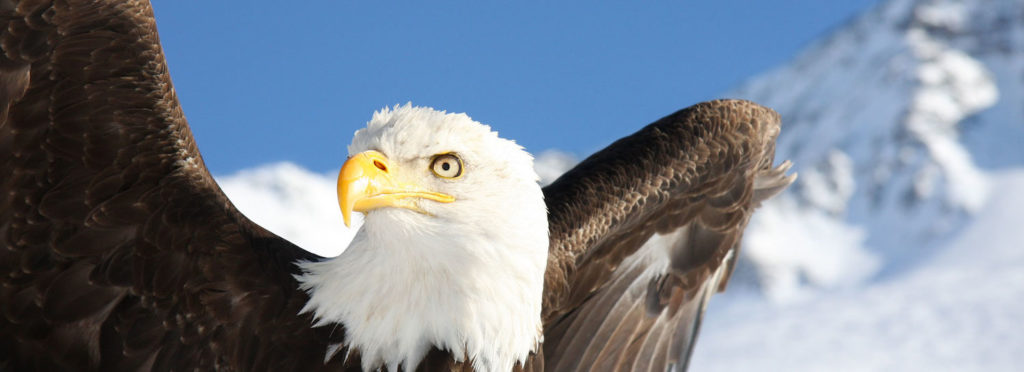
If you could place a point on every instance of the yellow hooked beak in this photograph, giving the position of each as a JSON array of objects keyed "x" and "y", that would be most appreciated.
[{"x": 367, "y": 182}]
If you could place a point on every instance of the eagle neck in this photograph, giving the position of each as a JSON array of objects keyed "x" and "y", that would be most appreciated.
[{"x": 399, "y": 292}]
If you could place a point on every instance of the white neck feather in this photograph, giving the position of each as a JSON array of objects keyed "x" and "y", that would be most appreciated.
[{"x": 407, "y": 283}]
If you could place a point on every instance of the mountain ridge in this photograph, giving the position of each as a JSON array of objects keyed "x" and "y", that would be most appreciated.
[{"x": 883, "y": 120}]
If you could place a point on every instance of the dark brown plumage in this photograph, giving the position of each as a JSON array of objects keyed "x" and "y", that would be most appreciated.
[
  {"x": 121, "y": 253},
  {"x": 694, "y": 176}
]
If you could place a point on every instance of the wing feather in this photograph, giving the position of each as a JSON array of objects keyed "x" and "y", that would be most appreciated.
[
  {"x": 119, "y": 250},
  {"x": 644, "y": 231}
]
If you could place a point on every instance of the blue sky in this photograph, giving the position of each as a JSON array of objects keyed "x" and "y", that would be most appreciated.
[{"x": 262, "y": 82}]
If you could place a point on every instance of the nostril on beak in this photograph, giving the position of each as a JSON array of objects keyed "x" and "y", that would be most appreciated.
[{"x": 380, "y": 165}]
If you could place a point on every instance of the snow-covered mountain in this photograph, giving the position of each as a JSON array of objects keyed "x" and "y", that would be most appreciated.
[
  {"x": 893, "y": 122},
  {"x": 900, "y": 246}
]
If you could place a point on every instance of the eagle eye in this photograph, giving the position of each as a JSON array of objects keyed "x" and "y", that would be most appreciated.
[{"x": 446, "y": 166}]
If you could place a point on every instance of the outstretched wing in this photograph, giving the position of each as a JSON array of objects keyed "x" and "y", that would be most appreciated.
[
  {"x": 119, "y": 250},
  {"x": 644, "y": 231}
]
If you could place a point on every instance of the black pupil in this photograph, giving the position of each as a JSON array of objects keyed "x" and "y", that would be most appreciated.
[{"x": 445, "y": 166}]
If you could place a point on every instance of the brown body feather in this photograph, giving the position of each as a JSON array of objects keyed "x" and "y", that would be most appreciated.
[{"x": 120, "y": 253}]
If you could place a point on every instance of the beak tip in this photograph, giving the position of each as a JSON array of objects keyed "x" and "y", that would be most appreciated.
[{"x": 346, "y": 215}]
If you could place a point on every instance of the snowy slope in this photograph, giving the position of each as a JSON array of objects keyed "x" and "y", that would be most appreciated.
[{"x": 959, "y": 310}]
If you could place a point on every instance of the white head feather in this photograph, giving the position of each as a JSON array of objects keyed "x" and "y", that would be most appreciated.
[{"x": 465, "y": 276}]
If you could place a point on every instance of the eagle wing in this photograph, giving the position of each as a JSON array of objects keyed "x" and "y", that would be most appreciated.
[
  {"x": 120, "y": 252},
  {"x": 645, "y": 231}
]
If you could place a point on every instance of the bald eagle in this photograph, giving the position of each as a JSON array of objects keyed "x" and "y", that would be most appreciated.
[{"x": 121, "y": 253}]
